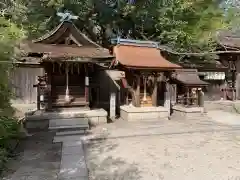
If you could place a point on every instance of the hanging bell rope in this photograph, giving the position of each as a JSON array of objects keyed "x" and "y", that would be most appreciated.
[
  {"x": 67, "y": 98},
  {"x": 60, "y": 65}
]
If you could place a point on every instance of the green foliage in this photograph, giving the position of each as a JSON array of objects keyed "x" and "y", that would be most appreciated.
[
  {"x": 184, "y": 25},
  {"x": 9, "y": 128}
]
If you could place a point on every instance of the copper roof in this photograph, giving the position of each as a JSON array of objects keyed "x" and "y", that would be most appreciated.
[
  {"x": 64, "y": 51},
  {"x": 189, "y": 77},
  {"x": 141, "y": 57}
]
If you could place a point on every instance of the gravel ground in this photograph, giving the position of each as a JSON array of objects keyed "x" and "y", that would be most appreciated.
[{"x": 169, "y": 150}]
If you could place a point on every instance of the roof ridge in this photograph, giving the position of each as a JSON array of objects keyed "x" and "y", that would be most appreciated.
[
  {"x": 50, "y": 33},
  {"x": 132, "y": 42}
]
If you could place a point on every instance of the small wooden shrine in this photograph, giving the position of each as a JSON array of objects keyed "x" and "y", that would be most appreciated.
[
  {"x": 69, "y": 59},
  {"x": 214, "y": 73},
  {"x": 188, "y": 87},
  {"x": 146, "y": 72},
  {"x": 229, "y": 41}
]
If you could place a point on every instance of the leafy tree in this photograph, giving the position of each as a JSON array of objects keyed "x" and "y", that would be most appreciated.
[
  {"x": 184, "y": 25},
  {"x": 9, "y": 35}
]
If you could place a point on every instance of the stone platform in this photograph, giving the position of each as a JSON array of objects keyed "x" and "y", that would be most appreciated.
[
  {"x": 182, "y": 112},
  {"x": 130, "y": 113},
  {"x": 40, "y": 120}
]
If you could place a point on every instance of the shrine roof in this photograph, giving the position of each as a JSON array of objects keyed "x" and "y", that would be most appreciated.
[
  {"x": 229, "y": 38},
  {"x": 189, "y": 77},
  {"x": 62, "y": 43},
  {"x": 64, "y": 51},
  {"x": 141, "y": 56},
  {"x": 63, "y": 30},
  {"x": 216, "y": 65}
]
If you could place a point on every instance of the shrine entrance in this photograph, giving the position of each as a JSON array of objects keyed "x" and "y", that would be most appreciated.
[{"x": 68, "y": 84}]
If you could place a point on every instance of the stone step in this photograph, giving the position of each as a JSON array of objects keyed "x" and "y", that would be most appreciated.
[
  {"x": 68, "y": 122},
  {"x": 69, "y": 128},
  {"x": 69, "y": 133},
  {"x": 70, "y": 138}
]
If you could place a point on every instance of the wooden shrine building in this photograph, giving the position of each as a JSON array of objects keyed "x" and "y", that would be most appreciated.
[
  {"x": 69, "y": 59},
  {"x": 229, "y": 41},
  {"x": 146, "y": 73}
]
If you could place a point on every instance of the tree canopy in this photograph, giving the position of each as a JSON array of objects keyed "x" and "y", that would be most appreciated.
[{"x": 183, "y": 25}]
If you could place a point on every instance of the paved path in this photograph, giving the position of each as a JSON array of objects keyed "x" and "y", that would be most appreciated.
[
  {"x": 167, "y": 150},
  {"x": 73, "y": 164}
]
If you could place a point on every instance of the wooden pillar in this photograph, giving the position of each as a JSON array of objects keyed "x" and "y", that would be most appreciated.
[
  {"x": 167, "y": 100},
  {"x": 38, "y": 97},
  {"x": 200, "y": 98},
  {"x": 137, "y": 97},
  {"x": 86, "y": 83},
  {"x": 49, "y": 88},
  {"x": 238, "y": 86},
  {"x": 154, "y": 93},
  {"x": 188, "y": 95}
]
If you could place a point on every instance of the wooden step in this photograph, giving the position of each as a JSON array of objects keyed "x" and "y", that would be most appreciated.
[
  {"x": 78, "y": 97},
  {"x": 73, "y": 99},
  {"x": 62, "y": 103}
]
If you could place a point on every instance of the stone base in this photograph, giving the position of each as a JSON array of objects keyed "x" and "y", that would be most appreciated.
[
  {"x": 223, "y": 105},
  {"x": 182, "y": 112},
  {"x": 40, "y": 119},
  {"x": 130, "y": 113}
]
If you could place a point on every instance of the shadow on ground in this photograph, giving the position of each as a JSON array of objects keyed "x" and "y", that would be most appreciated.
[
  {"x": 38, "y": 158},
  {"x": 102, "y": 166}
]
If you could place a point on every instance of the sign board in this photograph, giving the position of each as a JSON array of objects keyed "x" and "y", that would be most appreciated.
[
  {"x": 213, "y": 75},
  {"x": 112, "y": 105}
]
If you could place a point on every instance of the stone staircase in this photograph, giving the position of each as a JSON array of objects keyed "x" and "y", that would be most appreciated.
[
  {"x": 69, "y": 126},
  {"x": 66, "y": 122}
]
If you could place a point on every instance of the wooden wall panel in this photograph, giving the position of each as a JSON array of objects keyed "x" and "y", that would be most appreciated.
[{"x": 22, "y": 81}]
